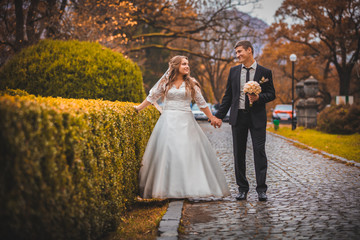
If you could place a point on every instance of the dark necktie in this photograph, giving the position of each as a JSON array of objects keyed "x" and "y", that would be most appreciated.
[
  {"x": 247, "y": 79},
  {"x": 248, "y": 73}
]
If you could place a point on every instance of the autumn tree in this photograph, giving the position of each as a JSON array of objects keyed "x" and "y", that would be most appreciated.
[
  {"x": 206, "y": 31},
  {"x": 331, "y": 29},
  {"x": 111, "y": 21},
  {"x": 276, "y": 54},
  {"x": 212, "y": 74},
  {"x": 24, "y": 22},
  {"x": 147, "y": 31},
  {"x": 187, "y": 20},
  {"x": 101, "y": 21}
]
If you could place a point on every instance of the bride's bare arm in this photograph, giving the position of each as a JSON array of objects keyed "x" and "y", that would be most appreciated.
[
  {"x": 142, "y": 105},
  {"x": 157, "y": 106},
  {"x": 208, "y": 113}
]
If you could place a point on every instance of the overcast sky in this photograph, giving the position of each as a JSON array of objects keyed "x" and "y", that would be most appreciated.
[{"x": 264, "y": 9}]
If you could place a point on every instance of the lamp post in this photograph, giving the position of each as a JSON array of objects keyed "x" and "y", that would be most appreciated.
[{"x": 292, "y": 59}]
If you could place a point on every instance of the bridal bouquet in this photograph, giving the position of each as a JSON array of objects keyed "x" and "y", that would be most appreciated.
[{"x": 252, "y": 87}]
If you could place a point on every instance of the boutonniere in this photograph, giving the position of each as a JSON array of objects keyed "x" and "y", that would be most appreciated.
[{"x": 263, "y": 80}]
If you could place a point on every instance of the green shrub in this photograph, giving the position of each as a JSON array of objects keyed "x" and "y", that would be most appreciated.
[
  {"x": 13, "y": 92},
  {"x": 68, "y": 167},
  {"x": 340, "y": 119},
  {"x": 73, "y": 69}
]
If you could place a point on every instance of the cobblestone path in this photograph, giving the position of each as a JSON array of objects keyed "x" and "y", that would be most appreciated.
[{"x": 309, "y": 197}]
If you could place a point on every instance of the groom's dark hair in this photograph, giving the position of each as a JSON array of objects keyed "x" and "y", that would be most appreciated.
[{"x": 245, "y": 44}]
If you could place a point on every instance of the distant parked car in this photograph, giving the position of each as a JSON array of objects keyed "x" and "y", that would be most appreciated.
[
  {"x": 282, "y": 112},
  {"x": 198, "y": 114}
]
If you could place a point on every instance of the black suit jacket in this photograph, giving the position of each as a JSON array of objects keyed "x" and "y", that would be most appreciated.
[{"x": 232, "y": 95}]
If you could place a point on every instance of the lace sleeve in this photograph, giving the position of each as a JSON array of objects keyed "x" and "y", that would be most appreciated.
[
  {"x": 155, "y": 92},
  {"x": 199, "y": 99}
]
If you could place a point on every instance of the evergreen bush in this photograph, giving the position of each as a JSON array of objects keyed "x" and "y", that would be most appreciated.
[
  {"x": 340, "y": 119},
  {"x": 73, "y": 69},
  {"x": 14, "y": 92},
  {"x": 68, "y": 167}
]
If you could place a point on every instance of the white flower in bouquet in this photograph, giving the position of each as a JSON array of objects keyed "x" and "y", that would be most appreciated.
[{"x": 252, "y": 87}]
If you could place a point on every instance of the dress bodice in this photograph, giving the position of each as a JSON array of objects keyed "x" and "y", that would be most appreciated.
[{"x": 176, "y": 98}]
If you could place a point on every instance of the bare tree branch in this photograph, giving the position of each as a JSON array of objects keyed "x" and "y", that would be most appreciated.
[{"x": 183, "y": 50}]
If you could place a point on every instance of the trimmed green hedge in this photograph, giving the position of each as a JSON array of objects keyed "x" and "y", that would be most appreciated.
[
  {"x": 340, "y": 119},
  {"x": 14, "y": 92},
  {"x": 68, "y": 168},
  {"x": 73, "y": 69}
]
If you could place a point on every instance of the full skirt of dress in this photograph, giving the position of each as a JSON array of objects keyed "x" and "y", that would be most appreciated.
[{"x": 179, "y": 161}]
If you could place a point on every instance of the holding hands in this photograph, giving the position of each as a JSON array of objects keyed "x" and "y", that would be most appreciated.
[{"x": 216, "y": 122}]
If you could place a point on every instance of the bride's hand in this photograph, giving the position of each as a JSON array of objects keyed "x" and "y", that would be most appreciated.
[
  {"x": 216, "y": 122},
  {"x": 136, "y": 109}
]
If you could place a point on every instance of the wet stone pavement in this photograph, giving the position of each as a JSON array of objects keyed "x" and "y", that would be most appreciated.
[{"x": 309, "y": 197}]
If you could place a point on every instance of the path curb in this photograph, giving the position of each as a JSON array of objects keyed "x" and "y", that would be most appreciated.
[
  {"x": 344, "y": 160},
  {"x": 169, "y": 223}
]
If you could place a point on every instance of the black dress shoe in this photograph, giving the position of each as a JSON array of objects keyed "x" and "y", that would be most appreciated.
[
  {"x": 262, "y": 196},
  {"x": 241, "y": 196}
]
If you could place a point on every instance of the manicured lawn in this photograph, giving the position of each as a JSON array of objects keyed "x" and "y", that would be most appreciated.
[
  {"x": 346, "y": 146},
  {"x": 141, "y": 221}
]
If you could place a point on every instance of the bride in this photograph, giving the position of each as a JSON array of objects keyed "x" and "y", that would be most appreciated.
[{"x": 179, "y": 161}]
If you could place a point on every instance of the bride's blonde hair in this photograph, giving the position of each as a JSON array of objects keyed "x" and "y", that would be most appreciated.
[{"x": 170, "y": 77}]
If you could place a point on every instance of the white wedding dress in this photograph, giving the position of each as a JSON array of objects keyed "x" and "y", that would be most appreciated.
[{"x": 179, "y": 161}]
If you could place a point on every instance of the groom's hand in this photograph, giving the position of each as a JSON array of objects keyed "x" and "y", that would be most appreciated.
[
  {"x": 216, "y": 122},
  {"x": 253, "y": 97}
]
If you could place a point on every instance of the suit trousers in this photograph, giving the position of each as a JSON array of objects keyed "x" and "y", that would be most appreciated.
[{"x": 258, "y": 137}]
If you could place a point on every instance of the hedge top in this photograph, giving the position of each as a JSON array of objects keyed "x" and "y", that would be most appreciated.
[{"x": 73, "y": 69}]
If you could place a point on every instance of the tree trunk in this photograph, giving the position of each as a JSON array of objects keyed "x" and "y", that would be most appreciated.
[
  {"x": 218, "y": 95},
  {"x": 345, "y": 77},
  {"x": 19, "y": 36},
  {"x": 30, "y": 24},
  {"x": 51, "y": 29}
]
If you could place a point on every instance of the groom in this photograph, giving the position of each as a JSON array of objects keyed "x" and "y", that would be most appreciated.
[{"x": 244, "y": 118}]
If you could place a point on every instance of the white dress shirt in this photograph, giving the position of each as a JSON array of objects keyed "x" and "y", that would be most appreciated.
[{"x": 243, "y": 81}]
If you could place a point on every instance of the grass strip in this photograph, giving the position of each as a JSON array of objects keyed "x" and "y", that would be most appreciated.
[
  {"x": 346, "y": 146},
  {"x": 141, "y": 221}
]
